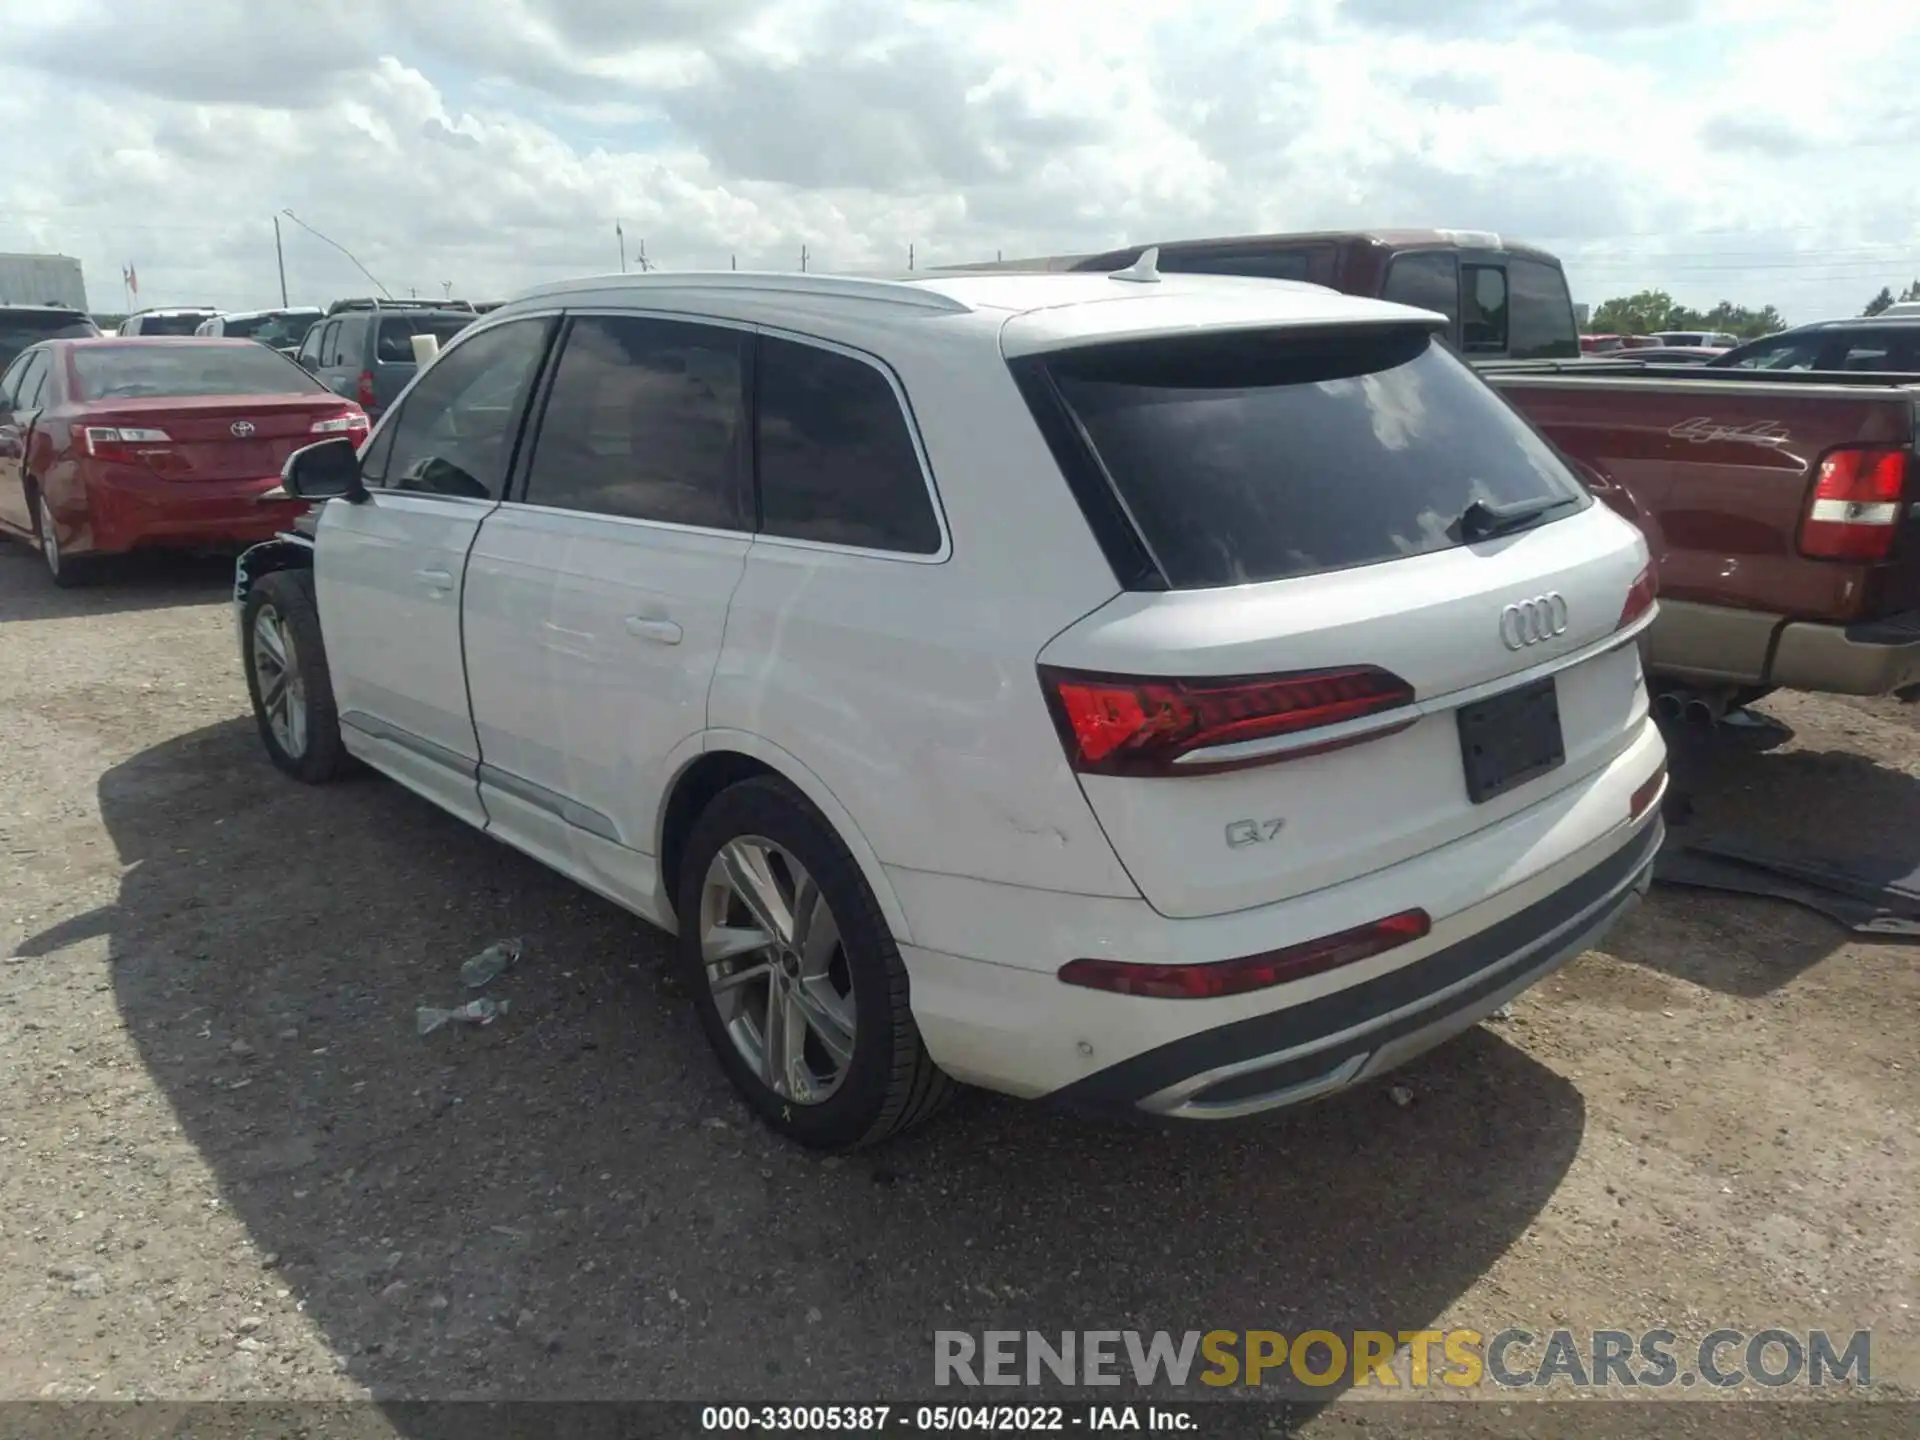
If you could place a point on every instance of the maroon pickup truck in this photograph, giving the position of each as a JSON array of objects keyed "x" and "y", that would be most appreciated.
[{"x": 1783, "y": 511}]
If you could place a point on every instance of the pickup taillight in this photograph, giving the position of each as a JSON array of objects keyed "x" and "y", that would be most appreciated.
[{"x": 1854, "y": 511}]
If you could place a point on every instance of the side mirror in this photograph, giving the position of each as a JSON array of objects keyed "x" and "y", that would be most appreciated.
[
  {"x": 292, "y": 352},
  {"x": 329, "y": 470}
]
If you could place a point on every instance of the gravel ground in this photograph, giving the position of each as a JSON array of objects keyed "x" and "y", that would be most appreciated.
[{"x": 229, "y": 1167}]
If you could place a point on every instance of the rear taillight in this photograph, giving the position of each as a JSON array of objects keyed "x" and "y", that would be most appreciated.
[
  {"x": 1214, "y": 979},
  {"x": 363, "y": 390},
  {"x": 1649, "y": 793},
  {"x": 108, "y": 442},
  {"x": 352, "y": 423},
  {"x": 1640, "y": 596},
  {"x": 1115, "y": 725},
  {"x": 1855, "y": 509}
]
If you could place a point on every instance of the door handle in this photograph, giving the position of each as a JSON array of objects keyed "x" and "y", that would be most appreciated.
[
  {"x": 435, "y": 579},
  {"x": 664, "y": 631}
]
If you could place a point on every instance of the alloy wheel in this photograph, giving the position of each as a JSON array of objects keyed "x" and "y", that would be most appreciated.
[
  {"x": 276, "y": 670},
  {"x": 776, "y": 964}
]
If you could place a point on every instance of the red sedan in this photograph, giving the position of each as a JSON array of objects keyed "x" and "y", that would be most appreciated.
[{"x": 110, "y": 445}]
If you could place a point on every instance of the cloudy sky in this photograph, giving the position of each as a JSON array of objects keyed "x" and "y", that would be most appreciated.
[{"x": 1757, "y": 150}]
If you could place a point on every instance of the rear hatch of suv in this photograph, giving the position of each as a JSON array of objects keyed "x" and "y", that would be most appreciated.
[{"x": 1368, "y": 609}]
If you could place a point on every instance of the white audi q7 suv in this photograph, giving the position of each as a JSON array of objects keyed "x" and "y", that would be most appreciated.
[{"x": 1173, "y": 696}]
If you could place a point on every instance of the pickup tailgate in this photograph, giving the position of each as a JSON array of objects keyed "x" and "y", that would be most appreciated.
[{"x": 1719, "y": 468}]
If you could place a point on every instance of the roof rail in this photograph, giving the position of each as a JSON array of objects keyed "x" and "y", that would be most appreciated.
[
  {"x": 369, "y": 302},
  {"x": 784, "y": 282}
]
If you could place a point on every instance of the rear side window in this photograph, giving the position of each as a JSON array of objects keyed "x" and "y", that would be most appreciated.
[
  {"x": 26, "y": 386},
  {"x": 1253, "y": 457},
  {"x": 117, "y": 372},
  {"x": 1541, "y": 322},
  {"x": 645, "y": 421},
  {"x": 1426, "y": 279},
  {"x": 837, "y": 462}
]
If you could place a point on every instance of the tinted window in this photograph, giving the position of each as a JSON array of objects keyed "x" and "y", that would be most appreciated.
[
  {"x": 1254, "y": 457},
  {"x": 114, "y": 372},
  {"x": 1887, "y": 350},
  {"x": 1307, "y": 262},
  {"x": 836, "y": 460},
  {"x": 645, "y": 420},
  {"x": 21, "y": 328},
  {"x": 1483, "y": 309},
  {"x": 1542, "y": 318},
  {"x": 277, "y": 330},
  {"x": 395, "y": 342},
  {"x": 455, "y": 433},
  {"x": 1777, "y": 352},
  {"x": 179, "y": 324},
  {"x": 1429, "y": 279}
]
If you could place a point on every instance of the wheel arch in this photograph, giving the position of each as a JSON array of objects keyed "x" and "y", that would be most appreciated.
[
  {"x": 283, "y": 552},
  {"x": 721, "y": 758}
]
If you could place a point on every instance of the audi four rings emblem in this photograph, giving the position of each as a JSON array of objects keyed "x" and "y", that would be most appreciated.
[
  {"x": 242, "y": 428},
  {"x": 1528, "y": 622}
]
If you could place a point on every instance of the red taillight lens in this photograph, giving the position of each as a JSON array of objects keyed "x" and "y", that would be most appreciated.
[
  {"x": 117, "y": 443},
  {"x": 1116, "y": 725},
  {"x": 351, "y": 423},
  {"x": 1250, "y": 972},
  {"x": 1640, "y": 597},
  {"x": 363, "y": 390},
  {"x": 1648, "y": 795},
  {"x": 1855, "y": 509}
]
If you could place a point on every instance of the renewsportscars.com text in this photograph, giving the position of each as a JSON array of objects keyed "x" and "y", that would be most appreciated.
[{"x": 1461, "y": 1359}]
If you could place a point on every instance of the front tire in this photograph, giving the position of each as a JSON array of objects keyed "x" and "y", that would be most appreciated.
[
  {"x": 288, "y": 680},
  {"x": 795, "y": 973}
]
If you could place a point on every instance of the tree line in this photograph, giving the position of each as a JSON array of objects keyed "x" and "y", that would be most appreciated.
[{"x": 1654, "y": 310}]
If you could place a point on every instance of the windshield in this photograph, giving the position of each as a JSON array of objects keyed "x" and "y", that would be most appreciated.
[
  {"x": 109, "y": 372},
  {"x": 280, "y": 329},
  {"x": 21, "y": 328},
  {"x": 1250, "y": 457},
  {"x": 397, "y": 332}
]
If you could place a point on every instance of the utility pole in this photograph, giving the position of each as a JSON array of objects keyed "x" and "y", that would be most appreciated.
[
  {"x": 909, "y": 255},
  {"x": 733, "y": 262},
  {"x": 281, "y": 257},
  {"x": 447, "y": 286},
  {"x": 622, "y": 236},
  {"x": 803, "y": 259}
]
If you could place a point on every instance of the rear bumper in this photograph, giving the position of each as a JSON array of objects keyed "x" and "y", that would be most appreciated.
[
  {"x": 1717, "y": 644},
  {"x": 1314, "y": 1050},
  {"x": 1876, "y": 658},
  {"x": 118, "y": 514},
  {"x": 1509, "y": 904}
]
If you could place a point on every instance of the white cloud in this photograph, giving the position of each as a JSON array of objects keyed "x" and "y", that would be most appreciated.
[{"x": 1745, "y": 149}]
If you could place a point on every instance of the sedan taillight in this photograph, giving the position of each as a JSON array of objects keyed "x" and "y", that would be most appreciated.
[{"x": 111, "y": 442}]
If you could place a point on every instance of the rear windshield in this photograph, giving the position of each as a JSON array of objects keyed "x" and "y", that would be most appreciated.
[
  {"x": 21, "y": 328},
  {"x": 1253, "y": 457},
  {"x": 111, "y": 372},
  {"x": 397, "y": 332},
  {"x": 180, "y": 324},
  {"x": 279, "y": 331}
]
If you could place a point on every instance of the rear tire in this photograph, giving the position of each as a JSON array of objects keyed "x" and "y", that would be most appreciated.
[
  {"x": 288, "y": 680},
  {"x": 831, "y": 959},
  {"x": 64, "y": 570}
]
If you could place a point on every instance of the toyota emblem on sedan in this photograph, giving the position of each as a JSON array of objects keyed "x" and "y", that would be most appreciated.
[
  {"x": 1528, "y": 622},
  {"x": 242, "y": 428}
]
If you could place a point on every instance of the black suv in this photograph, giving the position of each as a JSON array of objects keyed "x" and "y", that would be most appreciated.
[
  {"x": 24, "y": 325},
  {"x": 1888, "y": 344}
]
